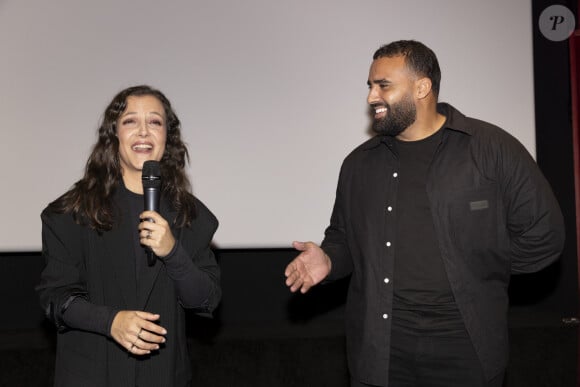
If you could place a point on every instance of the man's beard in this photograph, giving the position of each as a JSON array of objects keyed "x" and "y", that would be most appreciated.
[{"x": 398, "y": 118}]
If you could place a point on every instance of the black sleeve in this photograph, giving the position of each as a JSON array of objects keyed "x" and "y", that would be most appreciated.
[
  {"x": 335, "y": 243},
  {"x": 534, "y": 218},
  {"x": 63, "y": 277},
  {"x": 192, "y": 264},
  {"x": 62, "y": 289},
  {"x": 83, "y": 315}
]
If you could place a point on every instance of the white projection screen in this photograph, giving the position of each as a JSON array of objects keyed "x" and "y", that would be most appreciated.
[{"x": 271, "y": 94}]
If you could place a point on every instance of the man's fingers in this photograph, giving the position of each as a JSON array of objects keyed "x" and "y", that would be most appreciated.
[
  {"x": 303, "y": 284},
  {"x": 292, "y": 278},
  {"x": 300, "y": 246},
  {"x": 293, "y": 267},
  {"x": 289, "y": 269},
  {"x": 306, "y": 287},
  {"x": 296, "y": 284},
  {"x": 298, "y": 275}
]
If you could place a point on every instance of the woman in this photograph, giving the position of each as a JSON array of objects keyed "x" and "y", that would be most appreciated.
[{"x": 120, "y": 321}]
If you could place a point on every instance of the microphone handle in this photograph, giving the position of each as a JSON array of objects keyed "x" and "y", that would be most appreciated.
[
  {"x": 151, "y": 198},
  {"x": 150, "y": 257}
]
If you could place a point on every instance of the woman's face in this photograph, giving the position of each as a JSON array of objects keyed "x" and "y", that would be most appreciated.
[{"x": 142, "y": 133}]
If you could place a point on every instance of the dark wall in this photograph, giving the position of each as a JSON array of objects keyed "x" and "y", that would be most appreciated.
[{"x": 262, "y": 334}]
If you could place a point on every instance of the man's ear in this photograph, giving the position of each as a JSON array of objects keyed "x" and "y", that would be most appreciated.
[{"x": 422, "y": 87}]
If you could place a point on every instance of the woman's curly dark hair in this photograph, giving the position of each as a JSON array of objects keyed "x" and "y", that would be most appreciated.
[{"x": 90, "y": 199}]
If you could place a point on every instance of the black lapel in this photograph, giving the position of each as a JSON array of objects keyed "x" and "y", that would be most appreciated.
[{"x": 119, "y": 253}]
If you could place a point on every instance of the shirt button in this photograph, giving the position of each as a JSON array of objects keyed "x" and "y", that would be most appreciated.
[
  {"x": 395, "y": 174},
  {"x": 388, "y": 244},
  {"x": 385, "y": 316},
  {"x": 389, "y": 208},
  {"x": 386, "y": 280}
]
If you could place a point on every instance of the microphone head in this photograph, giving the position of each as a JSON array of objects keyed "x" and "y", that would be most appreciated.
[{"x": 151, "y": 174}]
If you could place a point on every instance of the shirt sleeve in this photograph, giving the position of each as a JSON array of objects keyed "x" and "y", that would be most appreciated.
[
  {"x": 335, "y": 243},
  {"x": 534, "y": 218}
]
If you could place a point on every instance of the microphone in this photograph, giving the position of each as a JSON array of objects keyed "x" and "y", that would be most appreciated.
[{"x": 151, "y": 179}]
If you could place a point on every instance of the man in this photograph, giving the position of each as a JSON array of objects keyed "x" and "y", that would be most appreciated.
[{"x": 431, "y": 217}]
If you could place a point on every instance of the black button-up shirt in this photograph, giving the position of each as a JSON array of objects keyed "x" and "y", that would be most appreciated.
[{"x": 494, "y": 214}]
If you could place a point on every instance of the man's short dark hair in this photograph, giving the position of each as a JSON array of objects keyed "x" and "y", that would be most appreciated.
[{"x": 419, "y": 58}]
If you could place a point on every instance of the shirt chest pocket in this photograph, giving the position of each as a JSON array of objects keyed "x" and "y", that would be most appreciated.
[{"x": 471, "y": 218}]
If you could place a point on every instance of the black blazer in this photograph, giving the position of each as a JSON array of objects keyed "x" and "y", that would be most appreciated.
[{"x": 102, "y": 268}]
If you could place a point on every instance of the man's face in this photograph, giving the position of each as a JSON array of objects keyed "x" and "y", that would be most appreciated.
[{"x": 391, "y": 95}]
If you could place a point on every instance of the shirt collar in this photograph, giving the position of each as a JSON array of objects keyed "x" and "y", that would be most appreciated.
[{"x": 455, "y": 120}]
